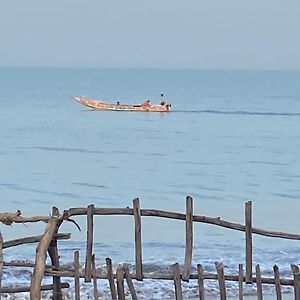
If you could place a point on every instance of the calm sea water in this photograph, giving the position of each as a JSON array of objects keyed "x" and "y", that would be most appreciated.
[{"x": 232, "y": 136}]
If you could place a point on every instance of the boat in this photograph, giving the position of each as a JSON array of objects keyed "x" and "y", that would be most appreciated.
[{"x": 102, "y": 105}]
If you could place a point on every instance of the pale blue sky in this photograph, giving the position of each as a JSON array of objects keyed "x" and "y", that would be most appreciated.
[{"x": 235, "y": 34}]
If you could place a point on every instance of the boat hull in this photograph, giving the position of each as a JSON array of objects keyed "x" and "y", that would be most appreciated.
[{"x": 101, "y": 105}]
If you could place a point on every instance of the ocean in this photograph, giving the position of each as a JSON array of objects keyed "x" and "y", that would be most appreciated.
[{"x": 232, "y": 136}]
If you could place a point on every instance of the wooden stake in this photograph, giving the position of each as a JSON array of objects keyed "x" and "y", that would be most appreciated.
[
  {"x": 40, "y": 258},
  {"x": 259, "y": 283},
  {"x": 138, "y": 239},
  {"x": 189, "y": 239},
  {"x": 241, "y": 281},
  {"x": 201, "y": 282},
  {"x": 53, "y": 253},
  {"x": 76, "y": 275},
  {"x": 110, "y": 277},
  {"x": 296, "y": 273},
  {"x": 120, "y": 283},
  {"x": 129, "y": 282},
  {"x": 277, "y": 282},
  {"x": 221, "y": 279},
  {"x": 89, "y": 244},
  {"x": 177, "y": 281},
  {"x": 248, "y": 234},
  {"x": 94, "y": 271}
]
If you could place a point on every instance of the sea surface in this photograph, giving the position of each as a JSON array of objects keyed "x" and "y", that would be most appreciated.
[{"x": 232, "y": 136}]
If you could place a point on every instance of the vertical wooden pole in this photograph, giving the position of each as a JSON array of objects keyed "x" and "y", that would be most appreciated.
[
  {"x": 241, "y": 281},
  {"x": 277, "y": 283},
  {"x": 110, "y": 277},
  {"x": 296, "y": 273},
  {"x": 201, "y": 282},
  {"x": 120, "y": 283},
  {"x": 89, "y": 244},
  {"x": 76, "y": 275},
  {"x": 138, "y": 239},
  {"x": 189, "y": 239},
  {"x": 53, "y": 253},
  {"x": 248, "y": 234},
  {"x": 1, "y": 262},
  {"x": 258, "y": 283},
  {"x": 221, "y": 279},
  {"x": 129, "y": 282},
  {"x": 40, "y": 257},
  {"x": 94, "y": 271},
  {"x": 177, "y": 281}
]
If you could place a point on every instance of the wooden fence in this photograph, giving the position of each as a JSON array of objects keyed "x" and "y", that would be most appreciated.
[{"x": 47, "y": 243}]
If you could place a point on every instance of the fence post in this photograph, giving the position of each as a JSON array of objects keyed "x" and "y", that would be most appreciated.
[
  {"x": 138, "y": 239},
  {"x": 189, "y": 239},
  {"x": 53, "y": 252},
  {"x": 296, "y": 273},
  {"x": 258, "y": 283},
  {"x": 40, "y": 258},
  {"x": 110, "y": 277},
  {"x": 76, "y": 275},
  {"x": 201, "y": 282},
  {"x": 177, "y": 281},
  {"x": 129, "y": 282},
  {"x": 120, "y": 282},
  {"x": 277, "y": 282},
  {"x": 89, "y": 244},
  {"x": 94, "y": 271},
  {"x": 241, "y": 281},
  {"x": 248, "y": 234},
  {"x": 221, "y": 279}
]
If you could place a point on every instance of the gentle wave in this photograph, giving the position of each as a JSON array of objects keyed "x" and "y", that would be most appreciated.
[{"x": 239, "y": 112}]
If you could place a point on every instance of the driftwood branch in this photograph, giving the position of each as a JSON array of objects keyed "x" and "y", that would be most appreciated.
[
  {"x": 9, "y": 218},
  {"x": 39, "y": 269}
]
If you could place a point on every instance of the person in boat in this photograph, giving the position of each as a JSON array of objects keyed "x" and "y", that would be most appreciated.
[
  {"x": 162, "y": 100},
  {"x": 146, "y": 103}
]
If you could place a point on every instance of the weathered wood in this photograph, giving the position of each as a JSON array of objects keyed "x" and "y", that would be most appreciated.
[
  {"x": 188, "y": 239},
  {"x": 23, "y": 289},
  {"x": 34, "y": 239},
  {"x": 201, "y": 282},
  {"x": 248, "y": 237},
  {"x": 177, "y": 281},
  {"x": 94, "y": 271},
  {"x": 129, "y": 282},
  {"x": 110, "y": 277},
  {"x": 259, "y": 283},
  {"x": 40, "y": 258},
  {"x": 221, "y": 280},
  {"x": 241, "y": 281},
  {"x": 296, "y": 273},
  {"x": 179, "y": 216},
  {"x": 120, "y": 282},
  {"x": 138, "y": 239},
  {"x": 53, "y": 253},
  {"x": 9, "y": 218},
  {"x": 76, "y": 275},
  {"x": 207, "y": 276},
  {"x": 1, "y": 262},
  {"x": 277, "y": 283},
  {"x": 89, "y": 243}
]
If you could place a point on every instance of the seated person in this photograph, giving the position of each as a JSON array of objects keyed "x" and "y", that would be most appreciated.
[{"x": 146, "y": 103}]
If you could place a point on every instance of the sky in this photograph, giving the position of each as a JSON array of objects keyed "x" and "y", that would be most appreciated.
[{"x": 210, "y": 34}]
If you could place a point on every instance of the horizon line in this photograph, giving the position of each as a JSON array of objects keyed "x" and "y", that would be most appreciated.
[{"x": 149, "y": 68}]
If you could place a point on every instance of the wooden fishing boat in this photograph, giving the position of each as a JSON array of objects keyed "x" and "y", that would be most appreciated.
[{"x": 101, "y": 105}]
